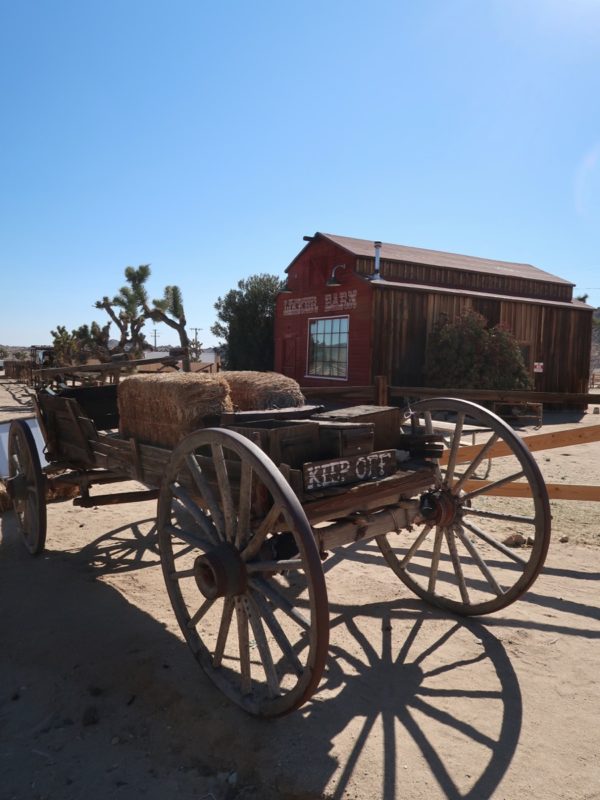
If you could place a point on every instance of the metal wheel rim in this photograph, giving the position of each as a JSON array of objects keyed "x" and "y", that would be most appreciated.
[
  {"x": 533, "y": 557},
  {"x": 314, "y": 652},
  {"x": 23, "y": 460}
]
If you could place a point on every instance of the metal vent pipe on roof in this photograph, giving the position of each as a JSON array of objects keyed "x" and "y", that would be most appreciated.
[{"x": 377, "y": 274}]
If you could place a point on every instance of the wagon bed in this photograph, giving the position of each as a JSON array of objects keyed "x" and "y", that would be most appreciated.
[{"x": 249, "y": 511}]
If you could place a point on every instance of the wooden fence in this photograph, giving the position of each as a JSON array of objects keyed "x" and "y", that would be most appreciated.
[
  {"x": 20, "y": 370},
  {"x": 381, "y": 394}
]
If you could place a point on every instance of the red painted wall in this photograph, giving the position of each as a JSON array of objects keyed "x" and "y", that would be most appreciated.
[{"x": 311, "y": 298}]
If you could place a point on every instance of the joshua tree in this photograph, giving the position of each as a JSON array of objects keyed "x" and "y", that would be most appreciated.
[
  {"x": 128, "y": 309},
  {"x": 170, "y": 311}
]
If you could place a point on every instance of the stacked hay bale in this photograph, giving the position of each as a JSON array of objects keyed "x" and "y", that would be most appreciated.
[
  {"x": 256, "y": 391},
  {"x": 161, "y": 409}
]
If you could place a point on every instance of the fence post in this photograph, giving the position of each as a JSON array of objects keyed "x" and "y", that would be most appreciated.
[{"x": 381, "y": 390}]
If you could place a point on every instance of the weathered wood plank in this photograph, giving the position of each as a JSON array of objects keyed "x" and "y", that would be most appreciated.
[
  {"x": 368, "y": 496},
  {"x": 540, "y": 441},
  {"x": 498, "y": 395},
  {"x": 556, "y": 491},
  {"x": 110, "y": 366},
  {"x": 349, "y": 469}
]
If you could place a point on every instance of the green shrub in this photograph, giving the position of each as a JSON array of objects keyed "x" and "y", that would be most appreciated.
[{"x": 465, "y": 354}]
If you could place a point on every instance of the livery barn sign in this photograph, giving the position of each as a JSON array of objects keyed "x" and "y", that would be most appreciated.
[
  {"x": 332, "y": 303},
  {"x": 351, "y": 469}
]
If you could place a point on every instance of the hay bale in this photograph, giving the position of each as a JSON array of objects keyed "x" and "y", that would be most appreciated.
[
  {"x": 256, "y": 391},
  {"x": 161, "y": 409}
]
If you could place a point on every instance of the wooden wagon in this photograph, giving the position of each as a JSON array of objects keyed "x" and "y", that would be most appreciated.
[{"x": 249, "y": 510}]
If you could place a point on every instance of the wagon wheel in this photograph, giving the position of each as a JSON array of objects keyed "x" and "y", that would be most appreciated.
[
  {"x": 26, "y": 486},
  {"x": 243, "y": 572},
  {"x": 479, "y": 544}
]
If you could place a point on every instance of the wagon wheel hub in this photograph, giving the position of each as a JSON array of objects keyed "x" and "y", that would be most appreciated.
[
  {"x": 439, "y": 507},
  {"x": 220, "y": 572}
]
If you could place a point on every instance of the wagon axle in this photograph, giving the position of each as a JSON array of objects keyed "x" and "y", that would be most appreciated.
[{"x": 439, "y": 507}]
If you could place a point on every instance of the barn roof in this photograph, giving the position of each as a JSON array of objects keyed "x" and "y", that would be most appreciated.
[
  {"x": 396, "y": 252},
  {"x": 429, "y": 289}
]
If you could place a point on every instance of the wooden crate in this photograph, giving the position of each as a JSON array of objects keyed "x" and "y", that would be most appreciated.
[
  {"x": 346, "y": 438},
  {"x": 385, "y": 419},
  {"x": 285, "y": 441}
]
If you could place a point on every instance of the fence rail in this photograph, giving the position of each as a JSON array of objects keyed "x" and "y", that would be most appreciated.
[{"x": 382, "y": 394}]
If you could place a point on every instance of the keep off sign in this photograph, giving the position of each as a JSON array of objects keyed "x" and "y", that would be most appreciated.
[
  {"x": 351, "y": 469},
  {"x": 538, "y": 366}
]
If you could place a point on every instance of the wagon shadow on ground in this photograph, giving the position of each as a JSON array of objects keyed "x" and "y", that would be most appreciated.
[
  {"x": 388, "y": 685},
  {"x": 369, "y": 555},
  {"x": 398, "y": 684}
]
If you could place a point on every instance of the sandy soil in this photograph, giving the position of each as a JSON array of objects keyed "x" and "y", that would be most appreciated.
[{"x": 100, "y": 698}]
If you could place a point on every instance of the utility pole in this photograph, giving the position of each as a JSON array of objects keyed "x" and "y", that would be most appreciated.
[
  {"x": 155, "y": 335},
  {"x": 196, "y": 346}
]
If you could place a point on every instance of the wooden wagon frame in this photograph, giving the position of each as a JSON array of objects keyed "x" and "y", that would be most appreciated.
[{"x": 248, "y": 511}]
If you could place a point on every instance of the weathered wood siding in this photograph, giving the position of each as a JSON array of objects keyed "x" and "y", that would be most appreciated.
[
  {"x": 556, "y": 336},
  {"x": 468, "y": 280}
]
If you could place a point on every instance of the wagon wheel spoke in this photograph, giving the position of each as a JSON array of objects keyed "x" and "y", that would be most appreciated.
[
  {"x": 189, "y": 537},
  {"x": 435, "y": 559},
  {"x": 224, "y": 627},
  {"x": 183, "y": 573},
  {"x": 224, "y": 491},
  {"x": 489, "y": 544},
  {"x": 476, "y": 512},
  {"x": 260, "y": 564},
  {"x": 280, "y": 601},
  {"x": 458, "y": 572},
  {"x": 266, "y": 656},
  {"x": 244, "y": 647},
  {"x": 429, "y": 429},
  {"x": 196, "y": 513},
  {"x": 474, "y": 552},
  {"x": 501, "y": 548},
  {"x": 489, "y": 487},
  {"x": 278, "y": 632},
  {"x": 416, "y": 544},
  {"x": 476, "y": 462},
  {"x": 454, "y": 447},
  {"x": 206, "y": 491},
  {"x": 266, "y": 526},
  {"x": 206, "y": 605},
  {"x": 245, "y": 505}
]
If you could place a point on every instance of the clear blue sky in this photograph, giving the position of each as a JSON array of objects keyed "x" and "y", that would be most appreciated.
[{"x": 206, "y": 138}]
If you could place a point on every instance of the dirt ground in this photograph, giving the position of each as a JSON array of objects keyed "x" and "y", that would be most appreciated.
[{"x": 100, "y": 697}]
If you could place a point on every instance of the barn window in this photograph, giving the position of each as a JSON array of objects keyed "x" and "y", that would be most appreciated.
[{"x": 328, "y": 347}]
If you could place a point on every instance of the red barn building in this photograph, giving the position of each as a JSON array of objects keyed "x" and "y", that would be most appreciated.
[{"x": 355, "y": 309}]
